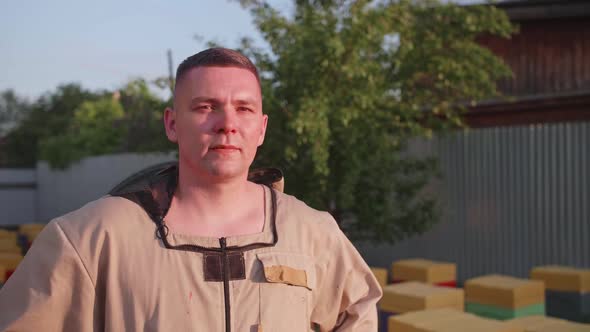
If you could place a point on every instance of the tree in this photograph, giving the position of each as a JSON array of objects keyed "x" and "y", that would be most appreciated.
[
  {"x": 94, "y": 130},
  {"x": 72, "y": 123},
  {"x": 348, "y": 83},
  {"x": 144, "y": 118},
  {"x": 128, "y": 120},
  {"x": 46, "y": 117},
  {"x": 13, "y": 109}
]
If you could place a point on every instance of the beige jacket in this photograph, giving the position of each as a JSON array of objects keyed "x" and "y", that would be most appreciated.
[{"x": 105, "y": 268}]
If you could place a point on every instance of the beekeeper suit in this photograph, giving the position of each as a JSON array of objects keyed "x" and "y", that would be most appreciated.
[{"x": 120, "y": 264}]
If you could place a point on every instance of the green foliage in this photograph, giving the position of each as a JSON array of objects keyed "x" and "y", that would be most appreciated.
[
  {"x": 47, "y": 117},
  {"x": 348, "y": 83},
  {"x": 143, "y": 119},
  {"x": 94, "y": 130},
  {"x": 13, "y": 109},
  {"x": 72, "y": 124}
]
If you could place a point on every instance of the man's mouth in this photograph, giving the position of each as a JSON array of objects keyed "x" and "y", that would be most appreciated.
[{"x": 225, "y": 148}]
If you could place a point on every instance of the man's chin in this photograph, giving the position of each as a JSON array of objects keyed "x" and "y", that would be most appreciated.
[
  {"x": 218, "y": 171},
  {"x": 226, "y": 173}
]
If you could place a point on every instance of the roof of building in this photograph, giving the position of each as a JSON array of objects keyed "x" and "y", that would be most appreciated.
[{"x": 522, "y": 10}]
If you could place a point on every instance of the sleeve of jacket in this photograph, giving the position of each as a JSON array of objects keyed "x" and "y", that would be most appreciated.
[
  {"x": 348, "y": 292},
  {"x": 50, "y": 290}
]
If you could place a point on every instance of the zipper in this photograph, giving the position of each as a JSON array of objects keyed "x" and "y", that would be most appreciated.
[{"x": 225, "y": 269}]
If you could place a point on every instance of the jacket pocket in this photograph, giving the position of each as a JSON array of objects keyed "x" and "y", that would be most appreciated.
[{"x": 285, "y": 291}]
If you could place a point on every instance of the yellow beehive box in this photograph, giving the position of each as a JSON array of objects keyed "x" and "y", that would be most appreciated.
[
  {"x": 530, "y": 322},
  {"x": 32, "y": 235},
  {"x": 412, "y": 296},
  {"x": 31, "y": 230},
  {"x": 9, "y": 245},
  {"x": 6, "y": 234},
  {"x": 11, "y": 250},
  {"x": 424, "y": 270},
  {"x": 381, "y": 275},
  {"x": 2, "y": 274},
  {"x": 504, "y": 291},
  {"x": 563, "y": 278},
  {"x": 446, "y": 320},
  {"x": 546, "y": 324},
  {"x": 409, "y": 322},
  {"x": 30, "y": 227},
  {"x": 564, "y": 326},
  {"x": 10, "y": 260},
  {"x": 8, "y": 242},
  {"x": 478, "y": 324}
]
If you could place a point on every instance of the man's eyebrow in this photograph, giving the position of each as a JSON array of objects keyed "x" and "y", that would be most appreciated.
[
  {"x": 245, "y": 101},
  {"x": 241, "y": 101}
]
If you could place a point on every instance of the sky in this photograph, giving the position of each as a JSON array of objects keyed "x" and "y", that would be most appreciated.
[{"x": 104, "y": 44}]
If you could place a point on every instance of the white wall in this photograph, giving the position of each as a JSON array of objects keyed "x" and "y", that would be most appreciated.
[
  {"x": 61, "y": 191},
  {"x": 18, "y": 196}
]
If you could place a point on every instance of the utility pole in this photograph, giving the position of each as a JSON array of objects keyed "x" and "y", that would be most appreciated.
[{"x": 170, "y": 72}]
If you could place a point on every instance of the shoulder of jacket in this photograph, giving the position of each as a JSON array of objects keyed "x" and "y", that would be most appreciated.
[
  {"x": 105, "y": 212},
  {"x": 303, "y": 213}
]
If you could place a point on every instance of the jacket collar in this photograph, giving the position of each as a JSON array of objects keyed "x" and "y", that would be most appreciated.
[{"x": 153, "y": 188}]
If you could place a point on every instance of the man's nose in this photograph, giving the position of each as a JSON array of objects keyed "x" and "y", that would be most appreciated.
[{"x": 226, "y": 121}]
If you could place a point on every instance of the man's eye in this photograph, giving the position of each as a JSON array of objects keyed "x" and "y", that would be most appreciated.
[
  {"x": 244, "y": 109},
  {"x": 204, "y": 107}
]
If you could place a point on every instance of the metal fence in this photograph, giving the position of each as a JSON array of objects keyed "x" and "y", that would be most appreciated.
[{"x": 512, "y": 198}]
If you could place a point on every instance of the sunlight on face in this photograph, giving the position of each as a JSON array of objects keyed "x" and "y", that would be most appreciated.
[{"x": 217, "y": 121}]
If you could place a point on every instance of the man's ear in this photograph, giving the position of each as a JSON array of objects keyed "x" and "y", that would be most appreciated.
[
  {"x": 263, "y": 129},
  {"x": 170, "y": 124}
]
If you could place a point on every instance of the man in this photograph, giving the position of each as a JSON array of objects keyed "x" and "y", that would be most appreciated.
[{"x": 196, "y": 247}]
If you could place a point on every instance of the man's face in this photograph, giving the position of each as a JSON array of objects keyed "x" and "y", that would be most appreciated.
[{"x": 217, "y": 121}]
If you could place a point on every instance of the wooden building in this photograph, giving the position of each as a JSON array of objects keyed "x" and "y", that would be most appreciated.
[{"x": 550, "y": 59}]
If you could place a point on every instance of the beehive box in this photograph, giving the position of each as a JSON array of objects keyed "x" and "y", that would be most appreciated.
[
  {"x": 31, "y": 231},
  {"x": 424, "y": 270},
  {"x": 10, "y": 261},
  {"x": 2, "y": 274},
  {"x": 6, "y": 234},
  {"x": 563, "y": 278},
  {"x": 568, "y": 305},
  {"x": 380, "y": 275},
  {"x": 548, "y": 324},
  {"x": 504, "y": 297},
  {"x": 10, "y": 245},
  {"x": 567, "y": 291},
  {"x": 414, "y": 320},
  {"x": 412, "y": 296},
  {"x": 446, "y": 320}
]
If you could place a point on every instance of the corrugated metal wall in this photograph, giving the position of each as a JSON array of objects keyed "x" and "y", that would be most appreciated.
[{"x": 512, "y": 198}]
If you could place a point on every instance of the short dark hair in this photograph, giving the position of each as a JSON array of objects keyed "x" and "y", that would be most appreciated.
[{"x": 216, "y": 57}]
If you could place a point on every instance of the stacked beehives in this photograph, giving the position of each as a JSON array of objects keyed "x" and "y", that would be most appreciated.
[
  {"x": 13, "y": 244},
  {"x": 504, "y": 297},
  {"x": 413, "y": 296},
  {"x": 567, "y": 291},
  {"x": 10, "y": 254}
]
